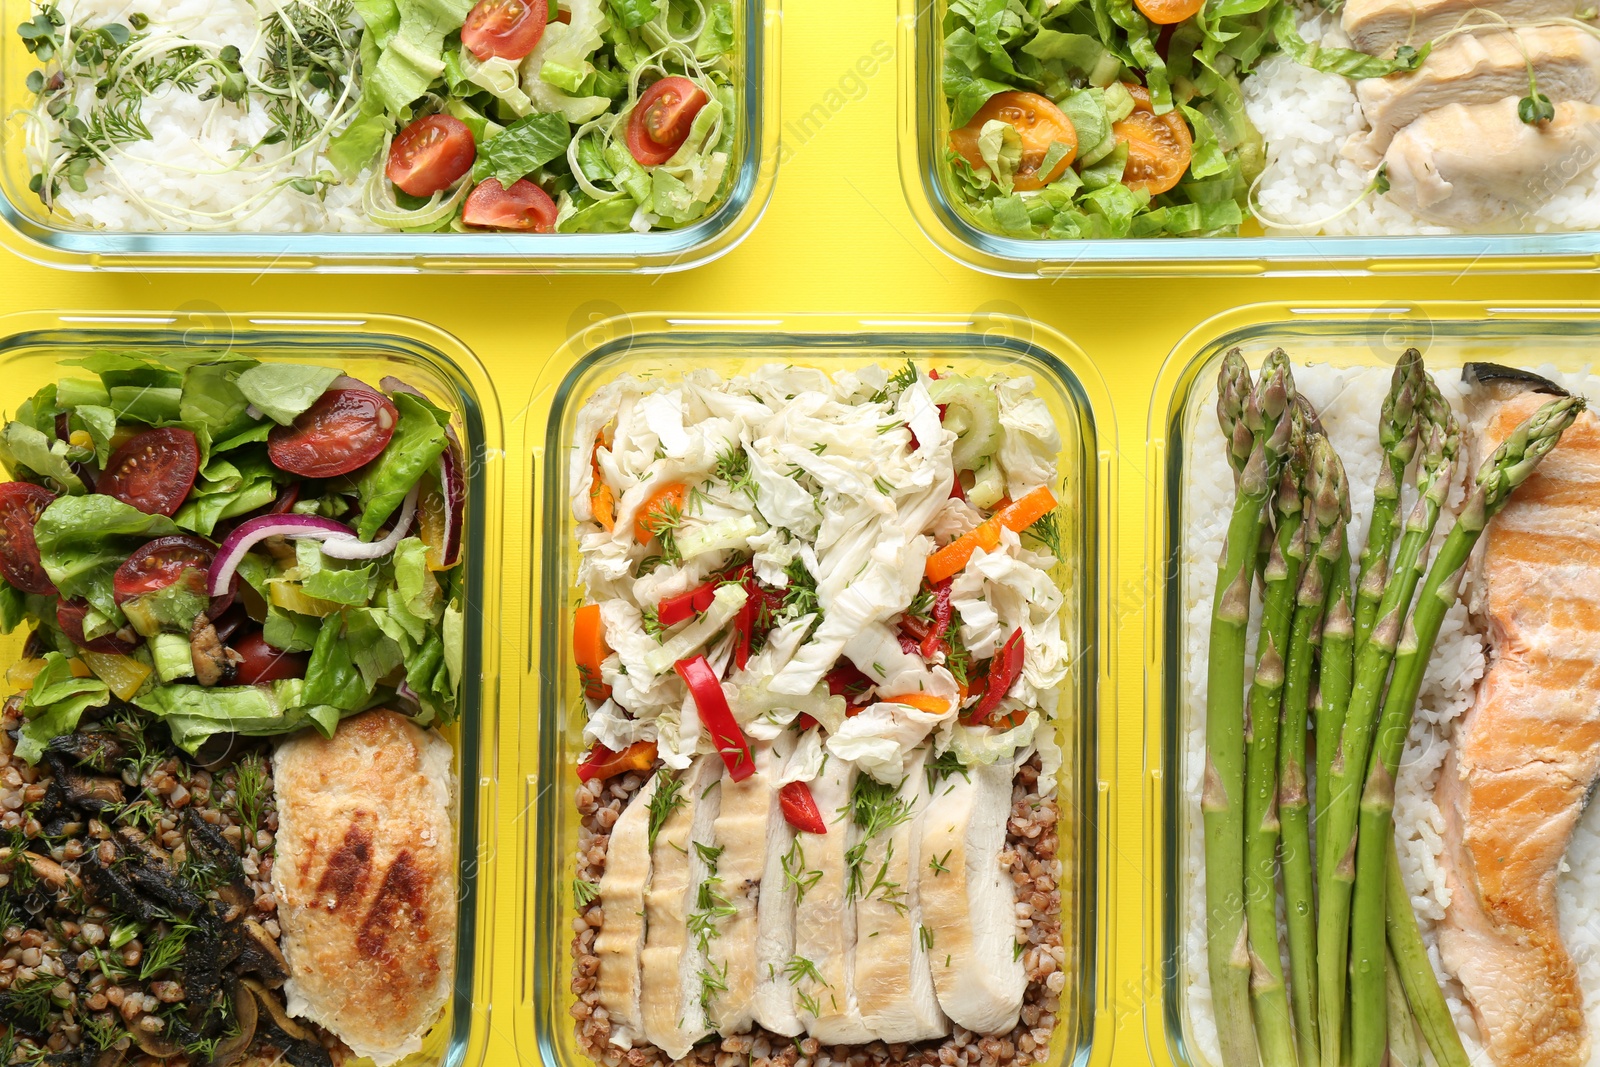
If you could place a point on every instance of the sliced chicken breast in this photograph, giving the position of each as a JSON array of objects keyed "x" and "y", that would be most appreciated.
[
  {"x": 823, "y": 965},
  {"x": 744, "y": 818},
  {"x": 773, "y": 1007},
  {"x": 1527, "y": 753},
  {"x": 621, "y": 939},
  {"x": 968, "y": 901},
  {"x": 1479, "y": 166},
  {"x": 1478, "y": 68},
  {"x": 673, "y": 968},
  {"x": 1380, "y": 26},
  {"x": 894, "y": 984}
]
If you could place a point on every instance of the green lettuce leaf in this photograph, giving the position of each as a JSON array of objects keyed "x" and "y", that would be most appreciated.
[
  {"x": 522, "y": 148},
  {"x": 282, "y": 391},
  {"x": 84, "y": 539},
  {"x": 417, "y": 443}
]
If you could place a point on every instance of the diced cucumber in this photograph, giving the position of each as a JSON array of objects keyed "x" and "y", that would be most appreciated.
[
  {"x": 973, "y": 413},
  {"x": 172, "y": 657},
  {"x": 988, "y": 487}
]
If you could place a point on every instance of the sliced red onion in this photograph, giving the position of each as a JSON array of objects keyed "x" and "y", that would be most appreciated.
[
  {"x": 249, "y": 534},
  {"x": 344, "y": 381},
  {"x": 340, "y": 548},
  {"x": 451, "y": 481}
]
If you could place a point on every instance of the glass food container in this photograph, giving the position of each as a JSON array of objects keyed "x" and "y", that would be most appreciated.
[
  {"x": 1562, "y": 338},
  {"x": 32, "y": 347},
  {"x": 31, "y": 232},
  {"x": 925, "y": 131},
  {"x": 666, "y": 347}
]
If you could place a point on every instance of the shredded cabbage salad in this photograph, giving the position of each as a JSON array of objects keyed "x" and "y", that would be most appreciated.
[
  {"x": 1181, "y": 166},
  {"x": 864, "y": 558}
]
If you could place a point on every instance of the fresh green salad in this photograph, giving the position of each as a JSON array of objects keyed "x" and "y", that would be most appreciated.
[
  {"x": 232, "y": 546},
  {"x": 539, "y": 116},
  {"x": 1115, "y": 118}
]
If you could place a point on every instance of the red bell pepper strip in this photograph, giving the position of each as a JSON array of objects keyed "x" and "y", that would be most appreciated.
[
  {"x": 744, "y": 625},
  {"x": 943, "y": 613},
  {"x": 683, "y": 606},
  {"x": 1003, "y": 673},
  {"x": 603, "y": 763},
  {"x": 716, "y": 716},
  {"x": 800, "y": 808}
]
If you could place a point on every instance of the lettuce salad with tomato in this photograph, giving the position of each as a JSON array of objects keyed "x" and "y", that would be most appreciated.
[
  {"x": 536, "y": 116},
  {"x": 1115, "y": 118},
  {"x": 231, "y": 546},
  {"x": 859, "y": 562}
]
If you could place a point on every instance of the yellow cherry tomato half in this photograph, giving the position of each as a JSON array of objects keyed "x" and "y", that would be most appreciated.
[
  {"x": 1037, "y": 121},
  {"x": 1159, "y": 146}
]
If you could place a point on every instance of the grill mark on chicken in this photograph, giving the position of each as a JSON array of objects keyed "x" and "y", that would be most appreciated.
[
  {"x": 349, "y": 866},
  {"x": 397, "y": 907}
]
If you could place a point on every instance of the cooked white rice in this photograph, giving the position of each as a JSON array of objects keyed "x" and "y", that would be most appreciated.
[
  {"x": 1308, "y": 186},
  {"x": 188, "y": 175},
  {"x": 1349, "y": 401}
]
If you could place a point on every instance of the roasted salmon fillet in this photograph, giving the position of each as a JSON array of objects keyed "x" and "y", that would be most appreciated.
[{"x": 1527, "y": 752}]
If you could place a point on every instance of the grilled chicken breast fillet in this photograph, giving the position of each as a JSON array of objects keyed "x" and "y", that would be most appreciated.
[
  {"x": 621, "y": 897},
  {"x": 968, "y": 901}
]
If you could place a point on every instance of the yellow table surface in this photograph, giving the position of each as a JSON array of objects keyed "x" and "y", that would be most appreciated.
[{"x": 837, "y": 238}]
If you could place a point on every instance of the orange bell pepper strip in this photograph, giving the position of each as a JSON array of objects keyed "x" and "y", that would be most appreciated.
[
  {"x": 603, "y": 763},
  {"x": 589, "y": 650},
  {"x": 921, "y": 701},
  {"x": 602, "y": 501},
  {"x": 659, "y": 510},
  {"x": 953, "y": 558}
]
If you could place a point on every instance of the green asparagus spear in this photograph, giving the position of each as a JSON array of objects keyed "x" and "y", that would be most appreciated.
[
  {"x": 1335, "y": 670},
  {"x": 1415, "y": 972},
  {"x": 1346, "y": 769},
  {"x": 1274, "y": 1031},
  {"x": 1397, "y": 433},
  {"x": 1404, "y": 1051},
  {"x": 1326, "y": 512},
  {"x": 1510, "y": 465},
  {"x": 1265, "y": 413}
]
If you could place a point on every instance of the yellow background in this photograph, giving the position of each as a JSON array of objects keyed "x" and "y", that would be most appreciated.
[{"x": 837, "y": 238}]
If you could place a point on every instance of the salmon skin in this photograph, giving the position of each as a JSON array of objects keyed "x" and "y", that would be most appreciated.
[{"x": 1527, "y": 754}]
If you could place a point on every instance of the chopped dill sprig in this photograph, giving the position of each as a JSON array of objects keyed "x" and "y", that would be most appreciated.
[
  {"x": 164, "y": 953},
  {"x": 943, "y": 766},
  {"x": 799, "y": 967},
  {"x": 899, "y": 382},
  {"x": 252, "y": 787},
  {"x": 31, "y": 1000},
  {"x": 584, "y": 893},
  {"x": 1047, "y": 531},
  {"x": 940, "y": 864},
  {"x": 99, "y": 1034},
  {"x": 708, "y": 855},
  {"x": 1017, "y": 949},
  {"x": 733, "y": 468},
  {"x": 925, "y": 937},
  {"x": 795, "y": 872},
  {"x": 664, "y": 522},
  {"x": 883, "y": 486},
  {"x": 957, "y": 660},
  {"x": 875, "y": 807},
  {"x": 650, "y": 616},
  {"x": 667, "y": 799},
  {"x": 800, "y": 596},
  {"x": 808, "y": 1003},
  {"x": 713, "y": 980}
]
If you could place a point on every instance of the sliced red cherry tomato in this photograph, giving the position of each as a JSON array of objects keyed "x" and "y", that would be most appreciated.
[
  {"x": 660, "y": 121},
  {"x": 344, "y": 430},
  {"x": 260, "y": 662},
  {"x": 603, "y": 763},
  {"x": 1003, "y": 673},
  {"x": 153, "y": 471},
  {"x": 1039, "y": 124},
  {"x": 505, "y": 29},
  {"x": 524, "y": 207},
  {"x": 716, "y": 716},
  {"x": 159, "y": 564},
  {"x": 21, "y": 504},
  {"x": 70, "y": 615},
  {"x": 164, "y": 561},
  {"x": 800, "y": 808},
  {"x": 431, "y": 155}
]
